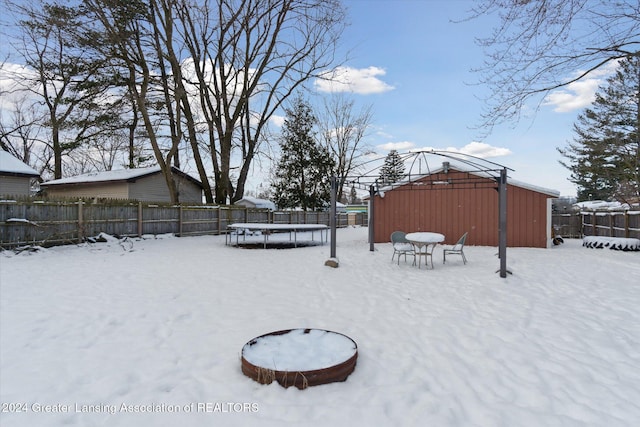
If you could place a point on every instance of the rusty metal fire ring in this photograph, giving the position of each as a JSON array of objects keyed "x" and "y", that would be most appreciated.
[{"x": 299, "y": 357}]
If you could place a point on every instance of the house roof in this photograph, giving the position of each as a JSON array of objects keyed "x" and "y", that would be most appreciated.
[
  {"x": 601, "y": 205},
  {"x": 459, "y": 168},
  {"x": 258, "y": 203},
  {"x": 10, "y": 165},
  {"x": 128, "y": 175}
]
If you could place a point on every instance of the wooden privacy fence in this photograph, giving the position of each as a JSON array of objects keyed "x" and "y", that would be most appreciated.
[
  {"x": 624, "y": 224},
  {"x": 598, "y": 223},
  {"x": 56, "y": 223},
  {"x": 567, "y": 225}
]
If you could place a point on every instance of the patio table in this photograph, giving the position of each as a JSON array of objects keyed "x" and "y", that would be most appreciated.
[{"x": 427, "y": 240}]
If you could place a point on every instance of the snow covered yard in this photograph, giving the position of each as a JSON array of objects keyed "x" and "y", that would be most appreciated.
[{"x": 149, "y": 333}]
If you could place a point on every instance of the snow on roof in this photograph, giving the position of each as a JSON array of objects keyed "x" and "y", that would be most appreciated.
[
  {"x": 601, "y": 205},
  {"x": 13, "y": 166},
  {"x": 258, "y": 203},
  {"x": 538, "y": 189},
  {"x": 113, "y": 175}
]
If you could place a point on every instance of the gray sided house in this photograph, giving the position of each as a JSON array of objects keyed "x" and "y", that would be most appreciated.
[
  {"x": 15, "y": 176},
  {"x": 143, "y": 184}
]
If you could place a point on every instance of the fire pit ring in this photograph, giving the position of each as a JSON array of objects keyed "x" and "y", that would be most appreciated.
[{"x": 299, "y": 357}]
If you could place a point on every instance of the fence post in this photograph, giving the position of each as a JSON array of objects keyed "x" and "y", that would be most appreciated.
[
  {"x": 626, "y": 224},
  {"x": 180, "y": 221},
  {"x": 612, "y": 221},
  {"x": 139, "y": 219},
  {"x": 80, "y": 221},
  {"x": 580, "y": 225}
]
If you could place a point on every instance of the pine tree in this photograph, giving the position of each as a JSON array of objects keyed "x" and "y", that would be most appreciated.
[
  {"x": 393, "y": 168},
  {"x": 353, "y": 196},
  {"x": 605, "y": 154},
  {"x": 302, "y": 175}
]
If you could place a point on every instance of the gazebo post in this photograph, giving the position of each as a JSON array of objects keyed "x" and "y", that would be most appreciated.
[
  {"x": 333, "y": 214},
  {"x": 502, "y": 222},
  {"x": 333, "y": 261},
  {"x": 372, "y": 193}
]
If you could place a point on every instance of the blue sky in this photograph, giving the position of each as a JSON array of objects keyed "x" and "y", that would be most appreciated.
[{"x": 412, "y": 64}]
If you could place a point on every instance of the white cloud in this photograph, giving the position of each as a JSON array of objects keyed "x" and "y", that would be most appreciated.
[
  {"x": 580, "y": 94},
  {"x": 363, "y": 81},
  {"x": 277, "y": 120},
  {"x": 383, "y": 134},
  {"x": 398, "y": 146},
  {"x": 14, "y": 82},
  {"x": 477, "y": 149},
  {"x": 482, "y": 150}
]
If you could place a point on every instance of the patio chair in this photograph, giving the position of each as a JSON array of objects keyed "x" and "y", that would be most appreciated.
[
  {"x": 457, "y": 249},
  {"x": 401, "y": 246}
]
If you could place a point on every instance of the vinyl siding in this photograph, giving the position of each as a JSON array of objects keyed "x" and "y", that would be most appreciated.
[
  {"x": 14, "y": 186},
  {"x": 153, "y": 188},
  {"x": 99, "y": 190},
  {"x": 189, "y": 192}
]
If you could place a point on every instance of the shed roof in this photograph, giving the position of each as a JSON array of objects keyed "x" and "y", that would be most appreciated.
[
  {"x": 129, "y": 175},
  {"x": 459, "y": 168},
  {"x": 10, "y": 165}
]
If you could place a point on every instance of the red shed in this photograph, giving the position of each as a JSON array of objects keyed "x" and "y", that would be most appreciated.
[{"x": 456, "y": 202}]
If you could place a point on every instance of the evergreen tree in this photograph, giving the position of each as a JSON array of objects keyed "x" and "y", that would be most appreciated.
[
  {"x": 393, "y": 168},
  {"x": 302, "y": 175},
  {"x": 353, "y": 196},
  {"x": 605, "y": 154}
]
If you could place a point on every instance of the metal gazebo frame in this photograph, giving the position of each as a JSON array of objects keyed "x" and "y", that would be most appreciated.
[{"x": 479, "y": 168}]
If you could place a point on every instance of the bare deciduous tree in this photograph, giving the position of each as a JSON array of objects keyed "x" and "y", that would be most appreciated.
[
  {"x": 19, "y": 132},
  {"x": 543, "y": 45},
  {"x": 343, "y": 130},
  {"x": 249, "y": 56},
  {"x": 208, "y": 72}
]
